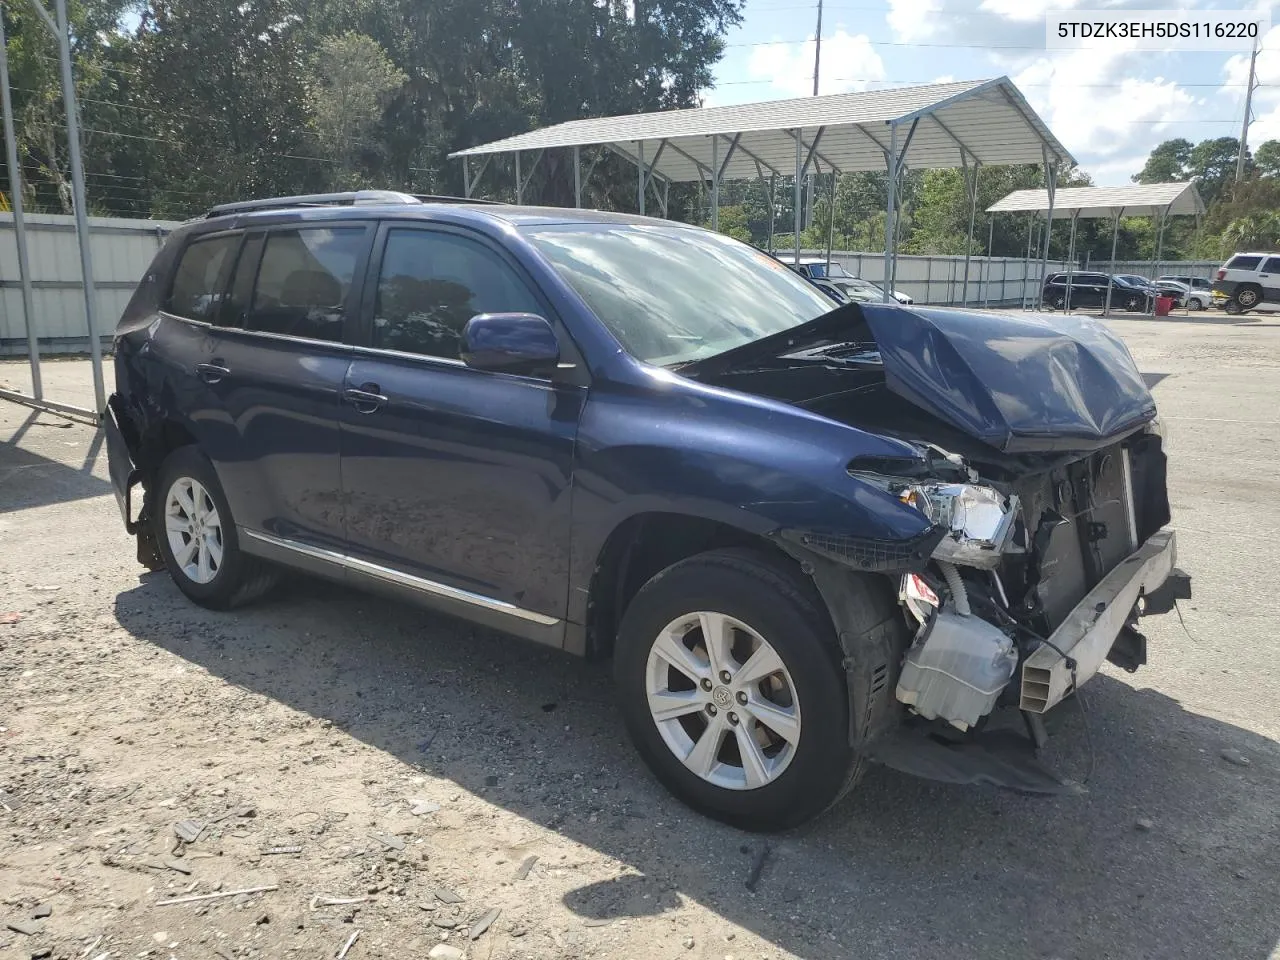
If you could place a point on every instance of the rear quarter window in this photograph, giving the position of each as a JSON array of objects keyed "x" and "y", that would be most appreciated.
[
  {"x": 1243, "y": 263},
  {"x": 200, "y": 279}
]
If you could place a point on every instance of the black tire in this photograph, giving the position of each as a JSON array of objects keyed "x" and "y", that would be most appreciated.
[
  {"x": 784, "y": 608},
  {"x": 1232, "y": 308},
  {"x": 1248, "y": 297},
  {"x": 239, "y": 578},
  {"x": 1195, "y": 304}
]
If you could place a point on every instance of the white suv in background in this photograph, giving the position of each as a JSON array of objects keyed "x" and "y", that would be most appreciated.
[{"x": 1249, "y": 280}]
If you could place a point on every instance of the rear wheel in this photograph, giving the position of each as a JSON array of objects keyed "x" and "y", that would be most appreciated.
[
  {"x": 1232, "y": 307},
  {"x": 1195, "y": 303},
  {"x": 732, "y": 690},
  {"x": 1248, "y": 297},
  {"x": 197, "y": 536}
]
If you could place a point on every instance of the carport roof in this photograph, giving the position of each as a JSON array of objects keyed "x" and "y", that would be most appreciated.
[
  {"x": 1091, "y": 203},
  {"x": 987, "y": 120}
]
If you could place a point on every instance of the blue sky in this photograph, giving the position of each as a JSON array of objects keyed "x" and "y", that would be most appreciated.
[{"x": 1108, "y": 106}]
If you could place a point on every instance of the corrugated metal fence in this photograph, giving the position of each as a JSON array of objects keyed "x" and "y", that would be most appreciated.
[
  {"x": 122, "y": 250},
  {"x": 998, "y": 281}
]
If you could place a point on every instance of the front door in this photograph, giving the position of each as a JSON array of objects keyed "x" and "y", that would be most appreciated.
[
  {"x": 276, "y": 364},
  {"x": 451, "y": 475}
]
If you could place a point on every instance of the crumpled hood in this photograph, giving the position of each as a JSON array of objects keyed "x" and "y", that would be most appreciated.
[{"x": 1018, "y": 382}]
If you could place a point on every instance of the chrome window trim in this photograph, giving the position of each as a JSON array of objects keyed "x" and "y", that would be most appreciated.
[
  {"x": 391, "y": 575},
  {"x": 407, "y": 355}
]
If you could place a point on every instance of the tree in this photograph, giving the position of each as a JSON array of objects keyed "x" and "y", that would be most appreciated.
[
  {"x": 1170, "y": 162},
  {"x": 1213, "y": 165},
  {"x": 1267, "y": 159},
  {"x": 351, "y": 86}
]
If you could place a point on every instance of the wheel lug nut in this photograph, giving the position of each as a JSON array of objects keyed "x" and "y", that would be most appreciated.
[
  {"x": 706, "y": 684},
  {"x": 733, "y": 718},
  {"x": 711, "y": 709},
  {"x": 725, "y": 676},
  {"x": 742, "y": 698}
]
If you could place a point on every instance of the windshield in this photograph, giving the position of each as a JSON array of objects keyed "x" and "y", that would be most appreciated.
[{"x": 675, "y": 294}]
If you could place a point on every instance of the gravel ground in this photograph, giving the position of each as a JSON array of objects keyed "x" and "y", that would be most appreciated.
[{"x": 333, "y": 745}]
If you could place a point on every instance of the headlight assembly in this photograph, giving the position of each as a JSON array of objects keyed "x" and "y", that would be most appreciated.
[{"x": 979, "y": 520}]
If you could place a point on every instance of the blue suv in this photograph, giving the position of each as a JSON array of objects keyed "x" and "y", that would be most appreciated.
[{"x": 809, "y": 538}]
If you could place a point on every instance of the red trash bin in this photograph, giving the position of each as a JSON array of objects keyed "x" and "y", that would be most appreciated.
[{"x": 1163, "y": 306}]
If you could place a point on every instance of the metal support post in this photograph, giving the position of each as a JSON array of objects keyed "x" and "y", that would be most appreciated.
[
  {"x": 640, "y": 154},
  {"x": 1026, "y": 263},
  {"x": 972, "y": 182},
  {"x": 577, "y": 176},
  {"x": 831, "y": 221},
  {"x": 796, "y": 199},
  {"x": 1111, "y": 267},
  {"x": 519, "y": 184},
  {"x": 466, "y": 177},
  {"x": 773, "y": 183},
  {"x": 1071, "y": 260},
  {"x": 19, "y": 223},
  {"x": 715, "y": 183},
  {"x": 891, "y": 200},
  {"x": 1051, "y": 185},
  {"x": 986, "y": 283}
]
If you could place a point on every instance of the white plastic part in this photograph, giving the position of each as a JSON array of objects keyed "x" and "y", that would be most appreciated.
[
  {"x": 956, "y": 669},
  {"x": 959, "y": 596}
]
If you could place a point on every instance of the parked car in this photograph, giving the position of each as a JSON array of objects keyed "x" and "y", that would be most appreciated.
[
  {"x": 1195, "y": 283},
  {"x": 865, "y": 291},
  {"x": 817, "y": 268},
  {"x": 832, "y": 289},
  {"x": 1184, "y": 296},
  {"x": 810, "y": 538},
  {"x": 1249, "y": 280},
  {"x": 1089, "y": 290}
]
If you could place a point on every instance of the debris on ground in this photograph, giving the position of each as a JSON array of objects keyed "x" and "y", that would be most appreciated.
[
  {"x": 445, "y": 951},
  {"x": 388, "y": 841},
  {"x": 445, "y": 895},
  {"x": 1143, "y": 824},
  {"x": 188, "y": 831},
  {"x": 526, "y": 867},
  {"x": 484, "y": 923},
  {"x": 355, "y": 935},
  {"x": 1236, "y": 757},
  {"x": 757, "y": 867},
  {"x": 217, "y": 896},
  {"x": 26, "y": 927}
]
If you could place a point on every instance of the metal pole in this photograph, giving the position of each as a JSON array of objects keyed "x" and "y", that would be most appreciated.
[
  {"x": 1248, "y": 108},
  {"x": 78, "y": 199},
  {"x": 1164, "y": 222},
  {"x": 831, "y": 222},
  {"x": 890, "y": 240},
  {"x": 19, "y": 224},
  {"x": 968, "y": 240},
  {"x": 1071, "y": 260},
  {"x": 715, "y": 183},
  {"x": 817, "y": 50},
  {"x": 466, "y": 178},
  {"x": 773, "y": 182},
  {"x": 991, "y": 238},
  {"x": 519, "y": 185},
  {"x": 799, "y": 173},
  {"x": 1111, "y": 267},
  {"x": 1051, "y": 181},
  {"x": 577, "y": 177},
  {"x": 1026, "y": 262},
  {"x": 640, "y": 154}
]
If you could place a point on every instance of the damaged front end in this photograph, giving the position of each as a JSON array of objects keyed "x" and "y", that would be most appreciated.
[{"x": 1041, "y": 470}]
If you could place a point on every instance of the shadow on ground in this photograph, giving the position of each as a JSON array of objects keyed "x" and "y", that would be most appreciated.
[
  {"x": 903, "y": 868},
  {"x": 29, "y": 479}
]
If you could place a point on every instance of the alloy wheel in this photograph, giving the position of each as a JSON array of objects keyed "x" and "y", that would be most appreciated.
[
  {"x": 194, "y": 529},
  {"x": 723, "y": 700}
]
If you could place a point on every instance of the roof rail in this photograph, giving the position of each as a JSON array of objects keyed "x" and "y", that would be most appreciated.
[
  {"x": 352, "y": 198},
  {"x": 436, "y": 198}
]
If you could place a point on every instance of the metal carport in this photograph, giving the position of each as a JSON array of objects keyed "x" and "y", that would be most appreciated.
[
  {"x": 936, "y": 126},
  {"x": 1158, "y": 200}
]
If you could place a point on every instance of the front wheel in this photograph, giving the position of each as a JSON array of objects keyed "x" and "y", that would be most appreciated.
[
  {"x": 733, "y": 692},
  {"x": 1248, "y": 297},
  {"x": 197, "y": 536},
  {"x": 1194, "y": 304}
]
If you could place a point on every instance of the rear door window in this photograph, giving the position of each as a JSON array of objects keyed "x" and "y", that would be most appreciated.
[
  {"x": 1243, "y": 263},
  {"x": 304, "y": 282},
  {"x": 200, "y": 279},
  {"x": 1271, "y": 265}
]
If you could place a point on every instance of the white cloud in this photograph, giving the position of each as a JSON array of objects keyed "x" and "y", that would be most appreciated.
[
  {"x": 849, "y": 62},
  {"x": 1024, "y": 11},
  {"x": 1099, "y": 108},
  {"x": 913, "y": 20}
]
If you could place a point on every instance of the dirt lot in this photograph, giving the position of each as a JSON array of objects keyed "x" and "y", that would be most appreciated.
[{"x": 406, "y": 760}]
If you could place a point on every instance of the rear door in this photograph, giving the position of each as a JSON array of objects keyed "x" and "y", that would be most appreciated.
[
  {"x": 1269, "y": 277},
  {"x": 459, "y": 478},
  {"x": 273, "y": 369}
]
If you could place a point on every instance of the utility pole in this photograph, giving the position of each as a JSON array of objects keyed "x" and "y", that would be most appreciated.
[
  {"x": 1248, "y": 110},
  {"x": 817, "y": 62}
]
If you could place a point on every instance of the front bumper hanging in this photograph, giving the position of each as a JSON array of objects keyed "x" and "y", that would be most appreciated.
[{"x": 1087, "y": 634}]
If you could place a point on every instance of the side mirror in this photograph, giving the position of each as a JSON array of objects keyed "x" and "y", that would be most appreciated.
[{"x": 519, "y": 343}]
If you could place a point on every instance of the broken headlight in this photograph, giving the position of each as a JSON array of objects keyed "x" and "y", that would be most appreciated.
[{"x": 979, "y": 520}]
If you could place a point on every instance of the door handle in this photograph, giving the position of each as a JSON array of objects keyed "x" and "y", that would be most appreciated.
[
  {"x": 367, "y": 399},
  {"x": 211, "y": 372}
]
